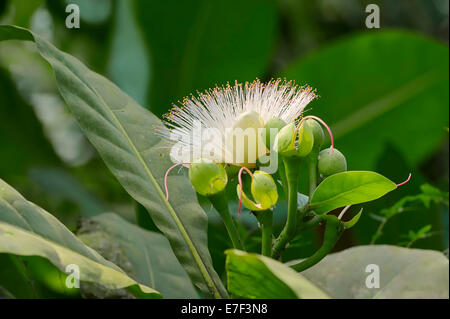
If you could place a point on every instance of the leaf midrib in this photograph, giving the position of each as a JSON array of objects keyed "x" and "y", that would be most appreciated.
[
  {"x": 174, "y": 215},
  {"x": 312, "y": 205}
]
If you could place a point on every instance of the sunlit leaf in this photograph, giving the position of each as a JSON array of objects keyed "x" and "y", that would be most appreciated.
[
  {"x": 28, "y": 230},
  {"x": 349, "y": 188},
  {"x": 150, "y": 256},
  {"x": 256, "y": 276},
  {"x": 403, "y": 273}
]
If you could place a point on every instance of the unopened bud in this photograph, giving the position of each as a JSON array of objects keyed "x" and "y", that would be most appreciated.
[
  {"x": 319, "y": 135},
  {"x": 264, "y": 192},
  {"x": 274, "y": 123},
  {"x": 305, "y": 140},
  {"x": 207, "y": 177},
  {"x": 331, "y": 161}
]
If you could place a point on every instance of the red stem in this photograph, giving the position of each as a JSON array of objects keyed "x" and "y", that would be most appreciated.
[
  {"x": 407, "y": 180},
  {"x": 323, "y": 123}
]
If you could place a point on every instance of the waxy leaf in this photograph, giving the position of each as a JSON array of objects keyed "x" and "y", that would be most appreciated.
[
  {"x": 28, "y": 230},
  {"x": 123, "y": 133},
  {"x": 402, "y": 273},
  {"x": 150, "y": 255},
  {"x": 256, "y": 276},
  {"x": 349, "y": 188}
]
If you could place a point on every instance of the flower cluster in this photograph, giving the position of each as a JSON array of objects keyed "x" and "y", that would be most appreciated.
[
  {"x": 224, "y": 124},
  {"x": 229, "y": 130}
]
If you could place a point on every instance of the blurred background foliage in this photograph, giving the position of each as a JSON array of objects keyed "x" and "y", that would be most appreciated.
[{"x": 384, "y": 92}]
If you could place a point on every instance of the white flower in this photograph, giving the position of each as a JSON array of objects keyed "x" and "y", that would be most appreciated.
[{"x": 203, "y": 126}]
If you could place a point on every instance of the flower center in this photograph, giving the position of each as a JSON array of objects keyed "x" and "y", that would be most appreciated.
[{"x": 243, "y": 141}]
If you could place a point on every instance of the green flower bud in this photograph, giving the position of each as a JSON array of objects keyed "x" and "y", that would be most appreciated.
[
  {"x": 287, "y": 145},
  {"x": 264, "y": 192},
  {"x": 264, "y": 189},
  {"x": 284, "y": 141},
  {"x": 305, "y": 140},
  {"x": 319, "y": 135},
  {"x": 207, "y": 177},
  {"x": 331, "y": 163},
  {"x": 273, "y": 123}
]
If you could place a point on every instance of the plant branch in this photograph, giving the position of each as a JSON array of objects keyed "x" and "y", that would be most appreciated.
[
  {"x": 333, "y": 231},
  {"x": 311, "y": 161},
  {"x": 265, "y": 219},
  {"x": 378, "y": 232},
  {"x": 291, "y": 166},
  {"x": 316, "y": 220},
  {"x": 220, "y": 203}
]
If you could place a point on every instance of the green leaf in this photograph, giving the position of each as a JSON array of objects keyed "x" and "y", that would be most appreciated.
[
  {"x": 28, "y": 230},
  {"x": 197, "y": 44},
  {"x": 377, "y": 87},
  {"x": 352, "y": 222},
  {"x": 23, "y": 11},
  {"x": 61, "y": 184},
  {"x": 14, "y": 278},
  {"x": 151, "y": 257},
  {"x": 256, "y": 276},
  {"x": 404, "y": 273},
  {"x": 129, "y": 63},
  {"x": 123, "y": 133},
  {"x": 428, "y": 195},
  {"x": 20, "y": 242},
  {"x": 349, "y": 188},
  {"x": 21, "y": 148}
]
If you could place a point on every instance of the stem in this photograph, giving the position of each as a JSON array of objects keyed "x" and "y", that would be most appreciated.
[
  {"x": 378, "y": 232},
  {"x": 265, "y": 218},
  {"x": 316, "y": 220},
  {"x": 411, "y": 243},
  {"x": 312, "y": 170},
  {"x": 333, "y": 231},
  {"x": 282, "y": 174},
  {"x": 291, "y": 166},
  {"x": 220, "y": 203}
]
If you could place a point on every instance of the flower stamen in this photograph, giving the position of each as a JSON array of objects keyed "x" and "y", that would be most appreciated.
[
  {"x": 346, "y": 208},
  {"x": 318, "y": 119},
  {"x": 167, "y": 174}
]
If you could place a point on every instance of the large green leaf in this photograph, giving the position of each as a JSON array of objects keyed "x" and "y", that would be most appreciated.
[
  {"x": 17, "y": 241},
  {"x": 404, "y": 273},
  {"x": 256, "y": 276},
  {"x": 349, "y": 188},
  {"x": 28, "y": 230},
  {"x": 129, "y": 63},
  {"x": 123, "y": 133},
  {"x": 61, "y": 184},
  {"x": 197, "y": 44},
  {"x": 21, "y": 149},
  {"x": 14, "y": 281},
  {"x": 150, "y": 255},
  {"x": 380, "y": 86}
]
